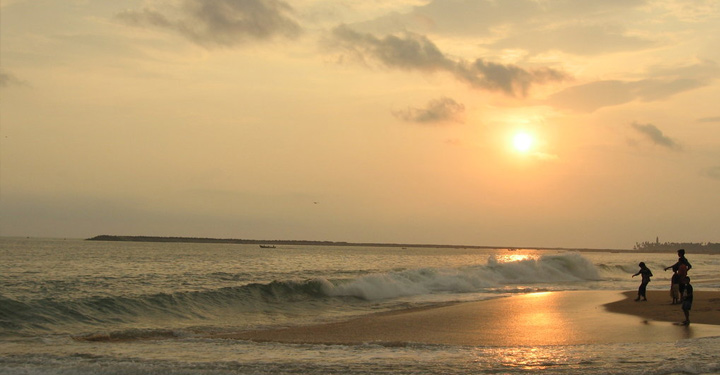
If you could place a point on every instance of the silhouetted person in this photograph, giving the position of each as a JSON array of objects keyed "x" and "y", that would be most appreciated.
[
  {"x": 687, "y": 298},
  {"x": 646, "y": 274},
  {"x": 681, "y": 267},
  {"x": 675, "y": 288}
]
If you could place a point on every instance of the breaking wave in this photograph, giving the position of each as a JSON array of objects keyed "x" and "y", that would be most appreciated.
[{"x": 548, "y": 272}]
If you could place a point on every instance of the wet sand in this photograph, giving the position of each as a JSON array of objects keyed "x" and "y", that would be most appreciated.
[
  {"x": 705, "y": 309},
  {"x": 553, "y": 318}
]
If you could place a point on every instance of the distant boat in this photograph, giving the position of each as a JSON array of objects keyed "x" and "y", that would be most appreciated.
[{"x": 267, "y": 246}]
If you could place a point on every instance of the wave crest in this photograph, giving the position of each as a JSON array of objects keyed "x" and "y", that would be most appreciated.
[
  {"x": 296, "y": 296},
  {"x": 496, "y": 275}
]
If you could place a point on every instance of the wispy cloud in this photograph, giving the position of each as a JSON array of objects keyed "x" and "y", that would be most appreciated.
[
  {"x": 655, "y": 135},
  {"x": 709, "y": 119},
  {"x": 662, "y": 85},
  {"x": 544, "y": 156},
  {"x": 576, "y": 27},
  {"x": 224, "y": 23},
  {"x": 575, "y": 38},
  {"x": 436, "y": 111},
  {"x": 412, "y": 51},
  {"x": 713, "y": 172}
]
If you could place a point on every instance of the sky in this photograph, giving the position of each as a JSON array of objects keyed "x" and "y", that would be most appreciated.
[{"x": 523, "y": 123}]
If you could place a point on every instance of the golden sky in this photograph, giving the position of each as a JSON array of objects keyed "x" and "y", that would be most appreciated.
[{"x": 573, "y": 123}]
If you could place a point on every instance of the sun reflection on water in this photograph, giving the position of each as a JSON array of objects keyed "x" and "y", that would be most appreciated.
[
  {"x": 531, "y": 358},
  {"x": 516, "y": 256}
]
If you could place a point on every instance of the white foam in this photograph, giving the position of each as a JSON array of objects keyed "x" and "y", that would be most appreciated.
[{"x": 496, "y": 275}]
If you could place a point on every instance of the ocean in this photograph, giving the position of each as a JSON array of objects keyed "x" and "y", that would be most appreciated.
[{"x": 89, "y": 307}]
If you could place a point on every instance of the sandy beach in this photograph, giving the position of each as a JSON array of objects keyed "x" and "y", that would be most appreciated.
[
  {"x": 552, "y": 318},
  {"x": 658, "y": 307}
]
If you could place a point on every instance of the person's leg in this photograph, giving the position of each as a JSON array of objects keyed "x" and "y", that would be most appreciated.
[
  {"x": 686, "y": 306},
  {"x": 642, "y": 290}
]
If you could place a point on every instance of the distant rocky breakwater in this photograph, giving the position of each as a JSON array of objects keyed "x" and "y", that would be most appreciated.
[
  {"x": 313, "y": 243},
  {"x": 645, "y": 247}
]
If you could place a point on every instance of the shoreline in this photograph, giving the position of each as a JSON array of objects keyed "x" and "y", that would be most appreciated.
[
  {"x": 536, "y": 319},
  {"x": 658, "y": 307}
]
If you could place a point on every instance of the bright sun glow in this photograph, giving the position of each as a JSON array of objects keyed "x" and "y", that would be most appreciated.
[{"x": 522, "y": 142}]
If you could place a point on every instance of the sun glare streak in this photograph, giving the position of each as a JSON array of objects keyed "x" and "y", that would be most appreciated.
[{"x": 511, "y": 258}]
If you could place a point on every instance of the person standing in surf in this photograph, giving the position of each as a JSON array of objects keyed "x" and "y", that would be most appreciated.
[
  {"x": 646, "y": 274},
  {"x": 687, "y": 299},
  {"x": 675, "y": 282},
  {"x": 681, "y": 267}
]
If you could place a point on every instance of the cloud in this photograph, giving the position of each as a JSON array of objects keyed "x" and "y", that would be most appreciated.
[
  {"x": 510, "y": 79},
  {"x": 578, "y": 39},
  {"x": 224, "y": 23},
  {"x": 436, "y": 111},
  {"x": 411, "y": 52},
  {"x": 655, "y": 135},
  {"x": 416, "y": 52},
  {"x": 544, "y": 156},
  {"x": 664, "y": 84},
  {"x": 571, "y": 26},
  {"x": 709, "y": 119},
  {"x": 713, "y": 172},
  {"x": 8, "y": 79},
  {"x": 591, "y": 96}
]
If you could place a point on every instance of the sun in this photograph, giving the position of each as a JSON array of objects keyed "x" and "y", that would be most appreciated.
[{"x": 522, "y": 142}]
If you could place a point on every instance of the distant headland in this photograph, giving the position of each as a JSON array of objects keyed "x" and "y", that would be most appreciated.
[
  {"x": 690, "y": 247},
  {"x": 645, "y": 247},
  {"x": 106, "y": 237},
  {"x": 269, "y": 242}
]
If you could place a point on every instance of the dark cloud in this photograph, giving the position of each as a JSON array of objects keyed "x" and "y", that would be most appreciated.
[
  {"x": 655, "y": 135},
  {"x": 9, "y": 79},
  {"x": 410, "y": 52},
  {"x": 665, "y": 83},
  {"x": 221, "y": 22},
  {"x": 436, "y": 111},
  {"x": 416, "y": 52},
  {"x": 713, "y": 172},
  {"x": 510, "y": 79}
]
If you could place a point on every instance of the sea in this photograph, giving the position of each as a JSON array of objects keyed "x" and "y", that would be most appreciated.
[{"x": 71, "y": 306}]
